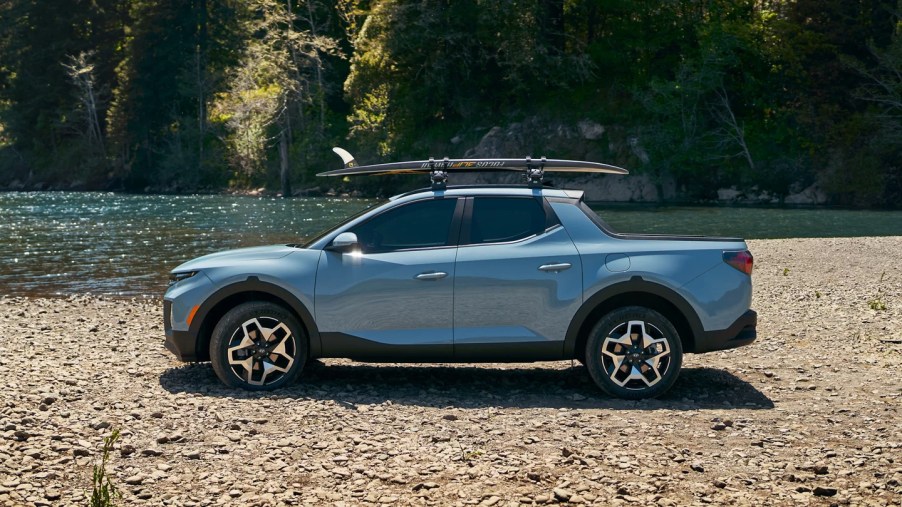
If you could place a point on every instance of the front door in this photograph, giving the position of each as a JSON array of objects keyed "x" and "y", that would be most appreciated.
[
  {"x": 393, "y": 298},
  {"x": 518, "y": 282}
]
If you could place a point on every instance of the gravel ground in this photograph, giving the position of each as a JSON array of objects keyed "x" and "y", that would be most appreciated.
[{"x": 809, "y": 414}]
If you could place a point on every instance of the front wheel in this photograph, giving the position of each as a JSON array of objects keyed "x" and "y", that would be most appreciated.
[
  {"x": 259, "y": 346},
  {"x": 634, "y": 353}
]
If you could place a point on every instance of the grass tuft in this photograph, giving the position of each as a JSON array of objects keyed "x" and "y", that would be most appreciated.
[
  {"x": 104, "y": 493},
  {"x": 877, "y": 303}
]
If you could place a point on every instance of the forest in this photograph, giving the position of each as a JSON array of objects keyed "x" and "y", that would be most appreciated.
[{"x": 208, "y": 95}]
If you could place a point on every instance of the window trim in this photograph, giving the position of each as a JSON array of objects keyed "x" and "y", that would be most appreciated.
[{"x": 453, "y": 230}]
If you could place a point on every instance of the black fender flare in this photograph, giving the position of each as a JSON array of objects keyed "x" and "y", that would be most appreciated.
[
  {"x": 253, "y": 284},
  {"x": 634, "y": 285}
]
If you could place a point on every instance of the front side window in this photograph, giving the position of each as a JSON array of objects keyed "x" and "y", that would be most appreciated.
[
  {"x": 504, "y": 219},
  {"x": 422, "y": 224}
]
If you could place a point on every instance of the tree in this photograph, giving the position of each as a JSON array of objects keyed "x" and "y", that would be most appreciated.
[
  {"x": 278, "y": 90},
  {"x": 81, "y": 72}
]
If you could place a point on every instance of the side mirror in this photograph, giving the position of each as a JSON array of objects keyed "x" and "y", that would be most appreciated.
[{"x": 344, "y": 242}]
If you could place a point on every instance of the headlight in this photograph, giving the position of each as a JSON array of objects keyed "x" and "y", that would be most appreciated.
[{"x": 178, "y": 277}]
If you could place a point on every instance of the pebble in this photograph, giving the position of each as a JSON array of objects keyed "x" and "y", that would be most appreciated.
[{"x": 822, "y": 491}]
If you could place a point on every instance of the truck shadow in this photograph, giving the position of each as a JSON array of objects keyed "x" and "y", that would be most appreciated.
[{"x": 467, "y": 386}]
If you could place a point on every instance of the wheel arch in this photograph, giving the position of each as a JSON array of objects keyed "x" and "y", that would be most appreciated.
[
  {"x": 252, "y": 289},
  {"x": 634, "y": 292}
]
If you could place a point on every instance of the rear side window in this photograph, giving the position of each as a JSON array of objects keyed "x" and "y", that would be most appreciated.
[
  {"x": 597, "y": 220},
  {"x": 422, "y": 224},
  {"x": 503, "y": 219}
]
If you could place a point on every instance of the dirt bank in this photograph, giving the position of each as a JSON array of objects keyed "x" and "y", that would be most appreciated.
[{"x": 810, "y": 413}]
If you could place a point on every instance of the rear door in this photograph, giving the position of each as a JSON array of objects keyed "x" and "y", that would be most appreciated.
[
  {"x": 392, "y": 299},
  {"x": 518, "y": 281}
]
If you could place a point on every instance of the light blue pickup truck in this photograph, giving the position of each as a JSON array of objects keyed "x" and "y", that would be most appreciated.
[{"x": 508, "y": 273}]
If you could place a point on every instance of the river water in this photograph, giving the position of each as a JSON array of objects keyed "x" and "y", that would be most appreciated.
[{"x": 62, "y": 243}]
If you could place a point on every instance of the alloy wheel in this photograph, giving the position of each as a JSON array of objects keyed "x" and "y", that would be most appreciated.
[
  {"x": 635, "y": 355},
  {"x": 261, "y": 351}
]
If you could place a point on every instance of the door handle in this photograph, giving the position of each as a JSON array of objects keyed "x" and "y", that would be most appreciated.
[
  {"x": 432, "y": 275},
  {"x": 559, "y": 266}
]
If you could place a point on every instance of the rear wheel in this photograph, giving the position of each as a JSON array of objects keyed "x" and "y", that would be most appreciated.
[
  {"x": 634, "y": 353},
  {"x": 258, "y": 346}
]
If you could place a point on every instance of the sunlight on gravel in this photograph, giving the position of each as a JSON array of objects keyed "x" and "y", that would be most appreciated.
[{"x": 809, "y": 414}]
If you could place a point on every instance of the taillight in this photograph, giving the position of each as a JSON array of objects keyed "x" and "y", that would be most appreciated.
[{"x": 742, "y": 261}]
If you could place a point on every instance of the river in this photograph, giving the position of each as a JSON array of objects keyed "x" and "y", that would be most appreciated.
[{"x": 63, "y": 243}]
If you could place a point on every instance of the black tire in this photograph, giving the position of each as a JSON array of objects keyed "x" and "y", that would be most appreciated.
[
  {"x": 274, "y": 363},
  {"x": 643, "y": 372}
]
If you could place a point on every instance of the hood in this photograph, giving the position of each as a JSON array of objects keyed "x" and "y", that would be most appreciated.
[{"x": 231, "y": 257}]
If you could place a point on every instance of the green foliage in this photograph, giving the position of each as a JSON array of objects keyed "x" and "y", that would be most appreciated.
[
  {"x": 418, "y": 64},
  {"x": 104, "y": 493},
  {"x": 877, "y": 303}
]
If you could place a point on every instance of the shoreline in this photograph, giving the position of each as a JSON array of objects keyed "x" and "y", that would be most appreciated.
[{"x": 356, "y": 193}]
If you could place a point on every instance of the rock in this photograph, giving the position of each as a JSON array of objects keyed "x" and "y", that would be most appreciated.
[
  {"x": 566, "y": 452},
  {"x": 151, "y": 452},
  {"x": 127, "y": 450},
  {"x": 80, "y": 451},
  {"x": 820, "y": 469},
  {"x": 449, "y": 417},
  {"x": 135, "y": 479},
  {"x": 814, "y": 194},
  {"x": 719, "y": 426},
  {"x": 696, "y": 466},
  {"x": 49, "y": 400},
  {"x": 590, "y": 130},
  {"x": 561, "y": 494},
  {"x": 21, "y": 436},
  {"x": 425, "y": 485},
  {"x": 52, "y": 494},
  {"x": 822, "y": 491},
  {"x": 636, "y": 188},
  {"x": 728, "y": 194}
]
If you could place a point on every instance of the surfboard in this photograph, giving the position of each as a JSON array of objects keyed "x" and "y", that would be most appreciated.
[{"x": 464, "y": 165}]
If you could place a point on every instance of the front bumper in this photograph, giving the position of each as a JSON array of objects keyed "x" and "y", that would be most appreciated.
[
  {"x": 181, "y": 343},
  {"x": 742, "y": 332}
]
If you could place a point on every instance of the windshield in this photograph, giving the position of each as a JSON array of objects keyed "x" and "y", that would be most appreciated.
[{"x": 318, "y": 236}]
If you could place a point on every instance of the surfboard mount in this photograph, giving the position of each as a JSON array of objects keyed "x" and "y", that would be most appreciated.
[
  {"x": 535, "y": 173},
  {"x": 438, "y": 176}
]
